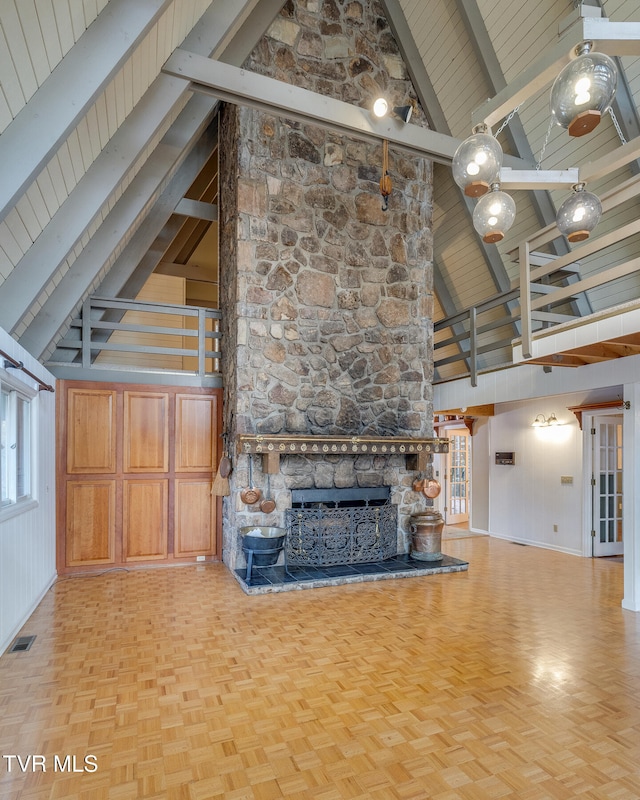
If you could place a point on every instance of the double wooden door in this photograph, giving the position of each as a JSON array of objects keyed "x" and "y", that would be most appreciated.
[{"x": 135, "y": 471}]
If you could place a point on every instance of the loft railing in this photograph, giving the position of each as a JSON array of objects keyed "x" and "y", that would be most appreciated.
[
  {"x": 469, "y": 330},
  {"x": 143, "y": 336},
  {"x": 489, "y": 328},
  {"x": 552, "y": 283},
  {"x": 531, "y": 306}
]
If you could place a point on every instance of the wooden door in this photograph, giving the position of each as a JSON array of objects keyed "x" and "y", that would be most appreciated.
[
  {"x": 135, "y": 470},
  {"x": 457, "y": 478},
  {"x": 90, "y": 533},
  {"x": 606, "y": 485}
]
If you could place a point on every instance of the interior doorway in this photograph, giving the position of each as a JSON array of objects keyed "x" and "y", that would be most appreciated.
[
  {"x": 605, "y": 485},
  {"x": 457, "y": 472}
]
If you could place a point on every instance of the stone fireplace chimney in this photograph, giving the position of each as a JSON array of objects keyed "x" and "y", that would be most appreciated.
[{"x": 326, "y": 297}]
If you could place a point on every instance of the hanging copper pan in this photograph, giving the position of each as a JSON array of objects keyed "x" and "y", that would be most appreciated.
[
  {"x": 432, "y": 488},
  {"x": 268, "y": 504},
  {"x": 429, "y": 487},
  {"x": 250, "y": 495}
]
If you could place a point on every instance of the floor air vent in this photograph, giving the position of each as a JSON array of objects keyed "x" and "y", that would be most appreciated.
[{"x": 22, "y": 644}]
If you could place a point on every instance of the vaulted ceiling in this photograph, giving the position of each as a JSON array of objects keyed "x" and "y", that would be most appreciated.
[{"x": 108, "y": 151}]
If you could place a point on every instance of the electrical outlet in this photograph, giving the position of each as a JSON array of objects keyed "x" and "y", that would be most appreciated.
[
  {"x": 555, "y": 528},
  {"x": 566, "y": 480},
  {"x": 200, "y": 558}
]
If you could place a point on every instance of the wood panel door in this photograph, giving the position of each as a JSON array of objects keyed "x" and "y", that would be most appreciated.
[
  {"x": 135, "y": 471},
  {"x": 606, "y": 485},
  {"x": 146, "y": 432},
  {"x": 457, "y": 477},
  {"x": 91, "y": 431},
  {"x": 196, "y": 429},
  {"x": 145, "y": 520},
  {"x": 194, "y": 517},
  {"x": 90, "y": 532}
]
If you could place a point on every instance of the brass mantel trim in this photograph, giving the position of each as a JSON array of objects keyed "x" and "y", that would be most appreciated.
[{"x": 275, "y": 445}]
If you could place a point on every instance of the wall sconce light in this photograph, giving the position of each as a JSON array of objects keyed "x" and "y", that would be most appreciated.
[
  {"x": 544, "y": 422},
  {"x": 381, "y": 109},
  {"x": 583, "y": 91}
]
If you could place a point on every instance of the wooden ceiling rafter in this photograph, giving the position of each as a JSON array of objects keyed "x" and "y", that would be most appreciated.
[{"x": 605, "y": 350}]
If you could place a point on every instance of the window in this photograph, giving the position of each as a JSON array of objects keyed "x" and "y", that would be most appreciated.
[{"x": 15, "y": 447}]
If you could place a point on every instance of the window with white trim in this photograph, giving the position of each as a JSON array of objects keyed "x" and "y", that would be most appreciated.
[{"x": 15, "y": 446}]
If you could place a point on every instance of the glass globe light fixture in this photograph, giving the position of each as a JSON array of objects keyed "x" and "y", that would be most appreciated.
[
  {"x": 494, "y": 215},
  {"x": 579, "y": 214},
  {"x": 583, "y": 91},
  {"x": 477, "y": 161}
]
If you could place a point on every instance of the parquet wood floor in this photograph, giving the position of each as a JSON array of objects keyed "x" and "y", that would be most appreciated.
[{"x": 517, "y": 679}]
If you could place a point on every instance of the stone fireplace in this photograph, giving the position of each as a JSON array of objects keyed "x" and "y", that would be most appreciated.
[{"x": 326, "y": 297}]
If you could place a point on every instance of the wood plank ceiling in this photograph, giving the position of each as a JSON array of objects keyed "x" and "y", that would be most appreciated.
[{"x": 100, "y": 148}]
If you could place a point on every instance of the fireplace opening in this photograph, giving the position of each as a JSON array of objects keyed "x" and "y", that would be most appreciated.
[
  {"x": 341, "y": 498},
  {"x": 328, "y": 527}
]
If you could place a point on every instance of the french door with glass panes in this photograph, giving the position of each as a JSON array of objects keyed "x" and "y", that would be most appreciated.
[
  {"x": 457, "y": 477},
  {"x": 606, "y": 485}
]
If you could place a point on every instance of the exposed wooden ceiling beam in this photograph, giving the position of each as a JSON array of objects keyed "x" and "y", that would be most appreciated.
[
  {"x": 621, "y": 347},
  {"x": 196, "y": 209},
  {"x": 239, "y": 86},
  {"x": 94, "y": 258},
  {"x": 187, "y": 271},
  {"x": 218, "y": 25},
  {"x": 614, "y": 38},
  {"x": 64, "y": 98},
  {"x": 46, "y": 255}
]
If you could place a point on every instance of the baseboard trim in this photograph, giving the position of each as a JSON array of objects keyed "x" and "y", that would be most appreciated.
[
  {"x": 16, "y": 628},
  {"x": 543, "y": 545}
]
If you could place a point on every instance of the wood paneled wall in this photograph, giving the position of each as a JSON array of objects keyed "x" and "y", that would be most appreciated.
[{"x": 135, "y": 469}]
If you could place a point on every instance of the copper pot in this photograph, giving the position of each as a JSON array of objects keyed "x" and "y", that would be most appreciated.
[{"x": 251, "y": 494}]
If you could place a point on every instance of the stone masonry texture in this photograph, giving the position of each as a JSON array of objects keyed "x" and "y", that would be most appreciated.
[{"x": 326, "y": 297}]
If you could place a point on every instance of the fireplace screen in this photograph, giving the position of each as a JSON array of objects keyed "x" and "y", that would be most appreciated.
[{"x": 340, "y": 526}]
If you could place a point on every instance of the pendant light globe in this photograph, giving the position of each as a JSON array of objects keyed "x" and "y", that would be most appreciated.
[
  {"x": 477, "y": 162},
  {"x": 494, "y": 215},
  {"x": 583, "y": 91},
  {"x": 579, "y": 214}
]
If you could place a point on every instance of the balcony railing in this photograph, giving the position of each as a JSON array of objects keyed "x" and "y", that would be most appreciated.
[{"x": 130, "y": 335}]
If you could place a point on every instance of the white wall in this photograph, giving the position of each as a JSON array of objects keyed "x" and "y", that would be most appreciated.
[
  {"x": 28, "y": 540},
  {"x": 527, "y": 500},
  {"x": 524, "y": 502},
  {"x": 480, "y": 484}
]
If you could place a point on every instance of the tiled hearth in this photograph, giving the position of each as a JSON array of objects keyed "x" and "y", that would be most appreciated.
[{"x": 276, "y": 579}]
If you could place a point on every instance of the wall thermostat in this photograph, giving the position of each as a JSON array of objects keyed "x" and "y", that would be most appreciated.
[{"x": 506, "y": 458}]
